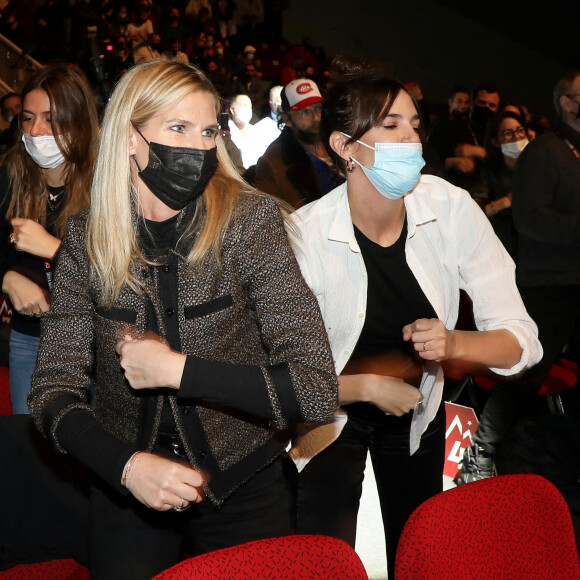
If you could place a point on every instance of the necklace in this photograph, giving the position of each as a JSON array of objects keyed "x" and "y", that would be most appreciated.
[{"x": 54, "y": 200}]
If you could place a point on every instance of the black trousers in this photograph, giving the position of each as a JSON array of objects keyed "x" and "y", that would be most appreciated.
[
  {"x": 329, "y": 488},
  {"x": 556, "y": 311},
  {"x": 130, "y": 541}
]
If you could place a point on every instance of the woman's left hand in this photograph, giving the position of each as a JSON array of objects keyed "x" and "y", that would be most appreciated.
[
  {"x": 29, "y": 236},
  {"x": 150, "y": 363},
  {"x": 430, "y": 338}
]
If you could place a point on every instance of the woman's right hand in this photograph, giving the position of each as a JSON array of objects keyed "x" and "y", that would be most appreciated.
[
  {"x": 162, "y": 484},
  {"x": 33, "y": 238},
  {"x": 26, "y": 296},
  {"x": 392, "y": 395}
]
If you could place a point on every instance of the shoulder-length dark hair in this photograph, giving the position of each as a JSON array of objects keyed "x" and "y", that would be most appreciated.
[
  {"x": 491, "y": 134},
  {"x": 75, "y": 125},
  {"x": 355, "y": 105}
]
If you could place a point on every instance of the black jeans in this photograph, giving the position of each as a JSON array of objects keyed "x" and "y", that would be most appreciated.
[
  {"x": 129, "y": 541},
  {"x": 556, "y": 311},
  {"x": 329, "y": 488}
]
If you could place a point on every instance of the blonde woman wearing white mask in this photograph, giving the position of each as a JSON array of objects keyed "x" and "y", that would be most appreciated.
[{"x": 44, "y": 178}]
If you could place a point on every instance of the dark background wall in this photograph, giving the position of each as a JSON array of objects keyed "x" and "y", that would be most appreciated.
[{"x": 439, "y": 44}]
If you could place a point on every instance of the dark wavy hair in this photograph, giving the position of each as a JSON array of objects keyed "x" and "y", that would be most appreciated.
[
  {"x": 356, "y": 104},
  {"x": 492, "y": 149}
]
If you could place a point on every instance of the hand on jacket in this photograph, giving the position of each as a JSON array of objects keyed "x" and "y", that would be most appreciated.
[
  {"x": 430, "y": 338},
  {"x": 162, "y": 484},
  {"x": 26, "y": 296},
  {"x": 150, "y": 363},
  {"x": 31, "y": 237}
]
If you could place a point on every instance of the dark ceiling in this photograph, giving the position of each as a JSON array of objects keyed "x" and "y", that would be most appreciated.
[{"x": 551, "y": 28}]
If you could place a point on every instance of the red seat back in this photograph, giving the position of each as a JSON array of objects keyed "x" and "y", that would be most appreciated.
[
  {"x": 66, "y": 569},
  {"x": 287, "y": 557},
  {"x": 504, "y": 527}
]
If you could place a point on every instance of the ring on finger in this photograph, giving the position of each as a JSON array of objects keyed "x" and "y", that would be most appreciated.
[
  {"x": 182, "y": 507},
  {"x": 12, "y": 238},
  {"x": 424, "y": 346}
]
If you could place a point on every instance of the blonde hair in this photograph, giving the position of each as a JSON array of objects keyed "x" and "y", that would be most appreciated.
[{"x": 112, "y": 242}]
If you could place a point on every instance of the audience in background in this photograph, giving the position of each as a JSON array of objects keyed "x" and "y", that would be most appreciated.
[
  {"x": 242, "y": 131},
  {"x": 296, "y": 166},
  {"x": 506, "y": 138},
  {"x": 546, "y": 213},
  {"x": 269, "y": 127},
  {"x": 10, "y": 108}
]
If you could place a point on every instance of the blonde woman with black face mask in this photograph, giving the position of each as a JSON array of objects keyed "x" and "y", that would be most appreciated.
[
  {"x": 179, "y": 295},
  {"x": 44, "y": 179}
]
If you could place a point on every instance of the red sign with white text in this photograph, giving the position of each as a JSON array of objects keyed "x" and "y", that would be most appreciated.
[{"x": 461, "y": 424}]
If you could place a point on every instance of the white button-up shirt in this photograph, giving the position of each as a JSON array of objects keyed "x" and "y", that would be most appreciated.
[{"x": 450, "y": 246}]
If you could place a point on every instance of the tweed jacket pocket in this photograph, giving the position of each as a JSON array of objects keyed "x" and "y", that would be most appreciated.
[
  {"x": 118, "y": 314},
  {"x": 209, "y": 307}
]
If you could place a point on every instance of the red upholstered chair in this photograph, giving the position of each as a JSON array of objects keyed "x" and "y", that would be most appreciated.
[
  {"x": 296, "y": 557},
  {"x": 67, "y": 569},
  {"x": 62, "y": 569},
  {"x": 502, "y": 528},
  {"x": 5, "y": 403}
]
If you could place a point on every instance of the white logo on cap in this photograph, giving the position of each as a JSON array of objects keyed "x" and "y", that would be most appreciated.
[{"x": 304, "y": 88}]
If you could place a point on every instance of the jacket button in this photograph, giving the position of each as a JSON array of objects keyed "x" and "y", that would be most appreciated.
[
  {"x": 169, "y": 312},
  {"x": 185, "y": 410},
  {"x": 167, "y": 267},
  {"x": 202, "y": 454}
]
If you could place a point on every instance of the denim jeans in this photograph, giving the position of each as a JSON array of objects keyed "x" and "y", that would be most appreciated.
[{"x": 22, "y": 360}]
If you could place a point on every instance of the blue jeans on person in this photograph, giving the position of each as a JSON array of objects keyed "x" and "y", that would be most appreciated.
[{"x": 22, "y": 360}]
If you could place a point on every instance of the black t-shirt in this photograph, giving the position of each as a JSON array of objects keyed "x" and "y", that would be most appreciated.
[
  {"x": 157, "y": 238},
  {"x": 394, "y": 299}
]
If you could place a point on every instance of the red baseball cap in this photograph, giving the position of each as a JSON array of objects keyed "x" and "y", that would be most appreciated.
[{"x": 300, "y": 93}]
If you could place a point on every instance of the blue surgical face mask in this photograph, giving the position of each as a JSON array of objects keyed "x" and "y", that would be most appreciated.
[{"x": 396, "y": 169}]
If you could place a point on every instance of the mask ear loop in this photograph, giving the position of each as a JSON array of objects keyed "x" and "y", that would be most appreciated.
[
  {"x": 136, "y": 163},
  {"x": 142, "y": 137}
]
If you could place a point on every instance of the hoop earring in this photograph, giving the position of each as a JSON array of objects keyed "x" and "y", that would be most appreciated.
[{"x": 350, "y": 166}]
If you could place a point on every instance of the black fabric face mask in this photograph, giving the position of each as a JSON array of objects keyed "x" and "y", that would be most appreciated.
[
  {"x": 481, "y": 115},
  {"x": 177, "y": 175}
]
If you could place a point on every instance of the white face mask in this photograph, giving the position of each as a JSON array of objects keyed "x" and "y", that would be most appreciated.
[
  {"x": 43, "y": 150},
  {"x": 514, "y": 148},
  {"x": 244, "y": 114},
  {"x": 397, "y": 167}
]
